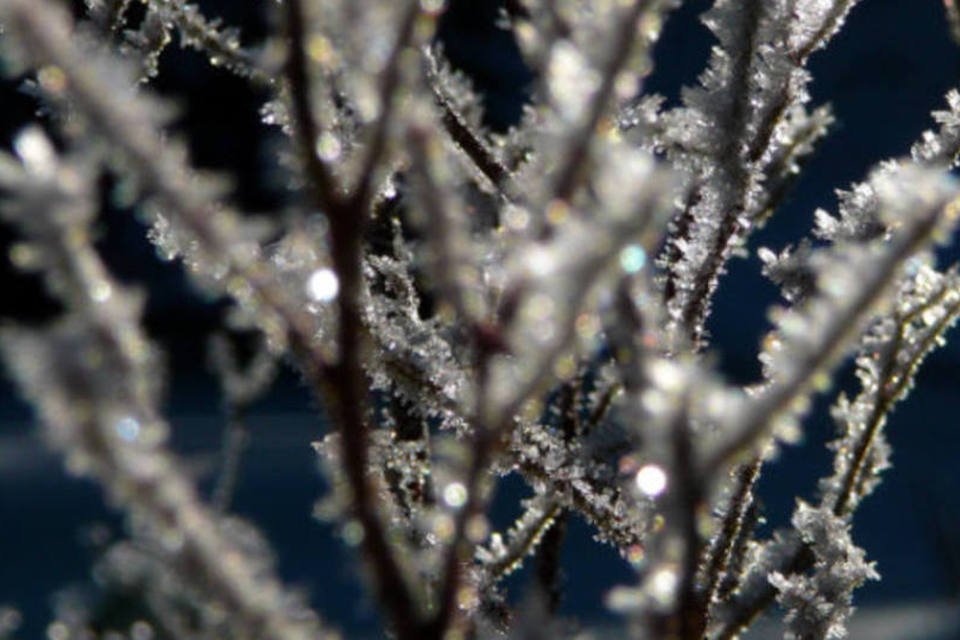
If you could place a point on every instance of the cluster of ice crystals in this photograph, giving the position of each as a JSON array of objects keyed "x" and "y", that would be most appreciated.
[
  {"x": 220, "y": 44},
  {"x": 499, "y": 557},
  {"x": 790, "y": 270},
  {"x": 417, "y": 492},
  {"x": 575, "y": 476},
  {"x": 819, "y": 604},
  {"x": 746, "y": 125},
  {"x": 147, "y": 42},
  {"x": 941, "y": 147},
  {"x": 927, "y": 304},
  {"x": 858, "y": 216},
  {"x": 415, "y": 359}
]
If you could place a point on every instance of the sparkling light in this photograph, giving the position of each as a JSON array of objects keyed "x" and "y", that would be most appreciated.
[
  {"x": 329, "y": 147},
  {"x": 540, "y": 261},
  {"x": 101, "y": 291},
  {"x": 651, "y": 480},
  {"x": 323, "y": 285},
  {"x": 432, "y": 6},
  {"x": 128, "y": 428},
  {"x": 35, "y": 150},
  {"x": 352, "y": 533},
  {"x": 632, "y": 258},
  {"x": 663, "y": 585},
  {"x": 455, "y": 495}
]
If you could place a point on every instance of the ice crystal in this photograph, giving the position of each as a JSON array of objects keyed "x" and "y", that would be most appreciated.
[{"x": 819, "y": 604}]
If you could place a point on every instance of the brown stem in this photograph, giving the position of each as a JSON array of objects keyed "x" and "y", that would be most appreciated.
[
  {"x": 548, "y": 570},
  {"x": 887, "y": 396},
  {"x": 719, "y": 557},
  {"x": 485, "y": 444},
  {"x": 730, "y": 162},
  {"x": 324, "y": 185},
  {"x": 345, "y": 384},
  {"x": 690, "y": 611},
  {"x": 468, "y": 140}
]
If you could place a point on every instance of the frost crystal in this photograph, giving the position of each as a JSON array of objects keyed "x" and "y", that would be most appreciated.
[{"x": 819, "y": 604}]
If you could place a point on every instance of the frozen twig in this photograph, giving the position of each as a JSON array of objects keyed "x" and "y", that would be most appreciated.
[
  {"x": 91, "y": 377},
  {"x": 839, "y": 312}
]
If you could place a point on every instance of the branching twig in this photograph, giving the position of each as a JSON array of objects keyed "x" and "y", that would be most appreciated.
[
  {"x": 833, "y": 340},
  {"x": 345, "y": 378}
]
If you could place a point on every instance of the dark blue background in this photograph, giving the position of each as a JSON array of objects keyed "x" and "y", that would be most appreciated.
[{"x": 883, "y": 74}]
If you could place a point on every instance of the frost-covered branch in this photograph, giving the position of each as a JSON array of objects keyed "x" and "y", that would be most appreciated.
[
  {"x": 99, "y": 88},
  {"x": 745, "y": 127},
  {"x": 460, "y": 123},
  {"x": 91, "y": 377},
  {"x": 819, "y": 604},
  {"x": 890, "y": 351},
  {"x": 499, "y": 557},
  {"x": 346, "y": 214},
  {"x": 859, "y": 278},
  {"x": 928, "y": 304},
  {"x": 727, "y": 547},
  {"x": 220, "y": 44}
]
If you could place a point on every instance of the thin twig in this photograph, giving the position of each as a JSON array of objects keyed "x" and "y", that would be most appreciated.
[
  {"x": 690, "y": 612},
  {"x": 734, "y": 125},
  {"x": 549, "y": 563},
  {"x": 464, "y": 136},
  {"x": 731, "y": 529},
  {"x": 888, "y": 394},
  {"x": 326, "y": 188},
  {"x": 520, "y": 546},
  {"x": 345, "y": 384},
  {"x": 575, "y": 157},
  {"x": 389, "y": 82},
  {"x": 236, "y": 437},
  {"x": 833, "y": 341}
]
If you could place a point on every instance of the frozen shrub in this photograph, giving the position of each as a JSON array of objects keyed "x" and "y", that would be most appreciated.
[{"x": 467, "y": 305}]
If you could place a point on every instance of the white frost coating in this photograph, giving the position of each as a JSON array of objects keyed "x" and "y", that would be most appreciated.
[
  {"x": 819, "y": 604},
  {"x": 739, "y": 129},
  {"x": 571, "y": 81}
]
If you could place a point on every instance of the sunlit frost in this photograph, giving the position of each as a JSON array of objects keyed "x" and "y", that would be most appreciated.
[
  {"x": 651, "y": 480},
  {"x": 323, "y": 285}
]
